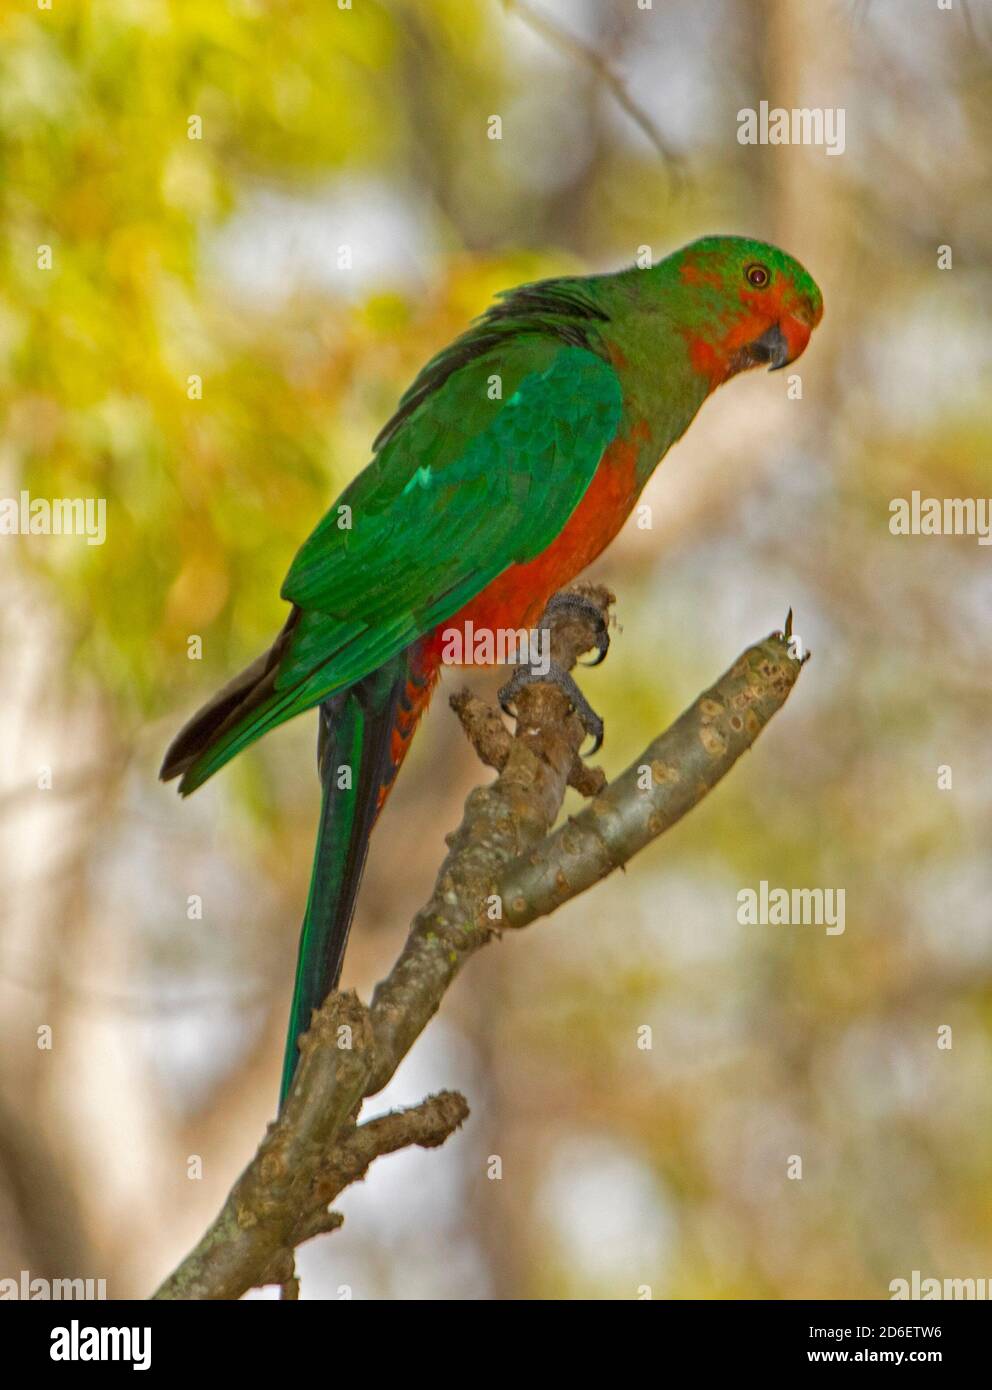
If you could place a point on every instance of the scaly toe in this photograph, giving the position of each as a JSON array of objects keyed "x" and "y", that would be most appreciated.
[
  {"x": 577, "y": 603},
  {"x": 555, "y": 675}
]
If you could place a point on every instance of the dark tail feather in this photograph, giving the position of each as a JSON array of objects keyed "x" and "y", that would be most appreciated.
[
  {"x": 354, "y": 748},
  {"x": 233, "y": 709}
]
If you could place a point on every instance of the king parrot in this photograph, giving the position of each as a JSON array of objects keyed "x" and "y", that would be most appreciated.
[{"x": 482, "y": 501}]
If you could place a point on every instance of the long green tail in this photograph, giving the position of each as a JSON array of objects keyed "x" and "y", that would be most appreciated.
[{"x": 355, "y": 762}]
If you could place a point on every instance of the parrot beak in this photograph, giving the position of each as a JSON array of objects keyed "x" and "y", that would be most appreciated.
[
  {"x": 781, "y": 344},
  {"x": 772, "y": 347},
  {"x": 778, "y": 346}
]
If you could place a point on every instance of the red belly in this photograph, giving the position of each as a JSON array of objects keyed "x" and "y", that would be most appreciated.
[{"x": 517, "y": 597}]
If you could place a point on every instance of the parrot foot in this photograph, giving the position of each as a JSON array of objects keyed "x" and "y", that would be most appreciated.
[
  {"x": 557, "y": 676},
  {"x": 569, "y": 602}
]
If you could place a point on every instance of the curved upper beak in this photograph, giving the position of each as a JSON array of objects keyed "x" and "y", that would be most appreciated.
[
  {"x": 782, "y": 343},
  {"x": 772, "y": 347}
]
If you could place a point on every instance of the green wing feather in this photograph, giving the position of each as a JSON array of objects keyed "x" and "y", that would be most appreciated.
[
  {"x": 467, "y": 484},
  {"x": 439, "y": 514}
]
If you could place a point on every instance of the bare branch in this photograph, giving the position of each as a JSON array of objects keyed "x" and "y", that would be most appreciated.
[
  {"x": 307, "y": 1158},
  {"x": 574, "y": 48},
  {"x": 673, "y": 773},
  {"x": 502, "y": 868}
]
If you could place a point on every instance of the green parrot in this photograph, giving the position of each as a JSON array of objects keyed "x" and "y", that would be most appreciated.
[{"x": 478, "y": 506}]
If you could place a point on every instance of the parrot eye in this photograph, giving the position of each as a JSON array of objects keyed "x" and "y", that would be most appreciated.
[{"x": 757, "y": 275}]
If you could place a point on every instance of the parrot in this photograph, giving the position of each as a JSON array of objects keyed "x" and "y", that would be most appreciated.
[{"x": 509, "y": 464}]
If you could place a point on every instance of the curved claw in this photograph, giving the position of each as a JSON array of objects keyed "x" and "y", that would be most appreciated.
[
  {"x": 578, "y": 603},
  {"x": 602, "y": 647},
  {"x": 512, "y": 687},
  {"x": 597, "y": 737}
]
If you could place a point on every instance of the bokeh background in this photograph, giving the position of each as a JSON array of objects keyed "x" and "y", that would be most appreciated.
[{"x": 218, "y": 257}]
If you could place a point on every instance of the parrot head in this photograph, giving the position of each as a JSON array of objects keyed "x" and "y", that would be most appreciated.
[{"x": 741, "y": 304}]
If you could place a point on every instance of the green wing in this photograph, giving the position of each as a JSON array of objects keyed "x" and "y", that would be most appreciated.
[
  {"x": 478, "y": 474},
  {"x": 468, "y": 486}
]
